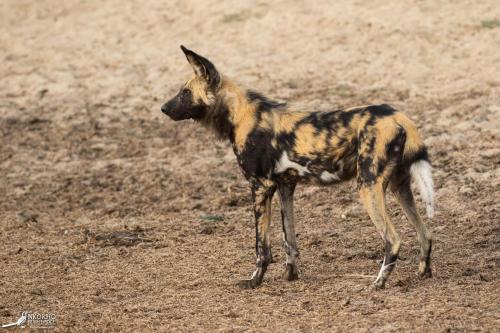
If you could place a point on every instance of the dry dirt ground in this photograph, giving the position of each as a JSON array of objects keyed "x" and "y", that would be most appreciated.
[{"x": 114, "y": 218}]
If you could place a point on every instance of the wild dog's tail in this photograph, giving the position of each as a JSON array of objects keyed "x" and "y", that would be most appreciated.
[
  {"x": 416, "y": 158},
  {"x": 421, "y": 171}
]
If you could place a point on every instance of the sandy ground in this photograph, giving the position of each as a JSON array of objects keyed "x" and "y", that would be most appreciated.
[{"x": 114, "y": 218}]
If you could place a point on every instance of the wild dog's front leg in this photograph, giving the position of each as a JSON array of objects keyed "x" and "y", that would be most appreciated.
[
  {"x": 289, "y": 242},
  {"x": 262, "y": 195}
]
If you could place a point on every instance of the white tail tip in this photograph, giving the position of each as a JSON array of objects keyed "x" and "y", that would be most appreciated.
[{"x": 421, "y": 171}]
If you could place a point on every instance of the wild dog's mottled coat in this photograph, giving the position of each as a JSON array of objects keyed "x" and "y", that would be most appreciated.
[{"x": 277, "y": 147}]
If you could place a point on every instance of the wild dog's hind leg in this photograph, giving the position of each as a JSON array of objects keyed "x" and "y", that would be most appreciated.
[
  {"x": 285, "y": 191},
  {"x": 380, "y": 152},
  {"x": 373, "y": 199},
  {"x": 262, "y": 195},
  {"x": 404, "y": 195}
]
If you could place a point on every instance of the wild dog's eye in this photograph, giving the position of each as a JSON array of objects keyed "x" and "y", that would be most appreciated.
[{"x": 186, "y": 92}]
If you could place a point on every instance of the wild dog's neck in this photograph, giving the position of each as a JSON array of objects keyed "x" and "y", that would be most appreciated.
[
  {"x": 236, "y": 111},
  {"x": 229, "y": 111},
  {"x": 218, "y": 119}
]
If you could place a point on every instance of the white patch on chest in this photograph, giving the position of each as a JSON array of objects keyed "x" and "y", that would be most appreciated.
[
  {"x": 329, "y": 177},
  {"x": 284, "y": 164}
]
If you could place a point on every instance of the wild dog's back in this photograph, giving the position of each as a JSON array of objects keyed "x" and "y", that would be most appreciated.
[
  {"x": 326, "y": 144},
  {"x": 331, "y": 139}
]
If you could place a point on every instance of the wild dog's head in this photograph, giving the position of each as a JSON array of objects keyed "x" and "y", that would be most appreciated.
[{"x": 198, "y": 94}]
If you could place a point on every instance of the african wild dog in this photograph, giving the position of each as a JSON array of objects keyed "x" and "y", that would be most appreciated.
[{"x": 277, "y": 148}]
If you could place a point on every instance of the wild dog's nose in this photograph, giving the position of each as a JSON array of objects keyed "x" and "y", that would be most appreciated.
[{"x": 164, "y": 108}]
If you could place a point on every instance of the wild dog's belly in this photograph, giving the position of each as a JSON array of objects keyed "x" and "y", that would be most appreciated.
[{"x": 322, "y": 170}]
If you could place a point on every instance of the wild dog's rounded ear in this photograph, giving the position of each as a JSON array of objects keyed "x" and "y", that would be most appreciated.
[{"x": 203, "y": 68}]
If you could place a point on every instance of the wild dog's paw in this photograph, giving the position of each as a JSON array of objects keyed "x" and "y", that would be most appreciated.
[
  {"x": 378, "y": 284},
  {"x": 425, "y": 273},
  {"x": 291, "y": 273}
]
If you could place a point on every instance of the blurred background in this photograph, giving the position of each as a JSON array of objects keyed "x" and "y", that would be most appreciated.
[{"x": 115, "y": 218}]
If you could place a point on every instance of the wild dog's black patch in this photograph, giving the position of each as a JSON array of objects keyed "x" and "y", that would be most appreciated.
[
  {"x": 371, "y": 169},
  {"x": 370, "y": 142},
  {"x": 382, "y": 110},
  {"x": 259, "y": 157},
  {"x": 366, "y": 174},
  {"x": 218, "y": 118},
  {"x": 377, "y": 112},
  {"x": 182, "y": 107},
  {"x": 390, "y": 257},
  {"x": 346, "y": 117},
  {"x": 394, "y": 151},
  {"x": 312, "y": 119},
  {"x": 264, "y": 104},
  {"x": 328, "y": 120},
  {"x": 258, "y": 215},
  {"x": 420, "y": 154},
  {"x": 286, "y": 141},
  {"x": 428, "y": 257},
  {"x": 394, "y": 148}
]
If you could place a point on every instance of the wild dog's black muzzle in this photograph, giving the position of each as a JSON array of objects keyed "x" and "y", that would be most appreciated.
[
  {"x": 175, "y": 110},
  {"x": 165, "y": 108},
  {"x": 170, "y": 108}
]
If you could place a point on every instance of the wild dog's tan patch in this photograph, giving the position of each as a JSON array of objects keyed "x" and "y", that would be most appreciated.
[
  {"x": 306, "y": 141},
  {"x": 242, "y": 112},
  {"x": 244, "y": 123},
  {"x": 413, "y": 140},
  {"x": 386, "y": 130},
  {"x": 286, "y": 121},
  {"x": 354, "y": 125},
  {"x": 339, "y": 135},
  {"x": 198, "y": 89},
  {"x": 266, "y": 121},
  {"x": 274, "y": 143},
  {"x": 320, "y": 143},
  {"x": 361, "y": 123}
]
